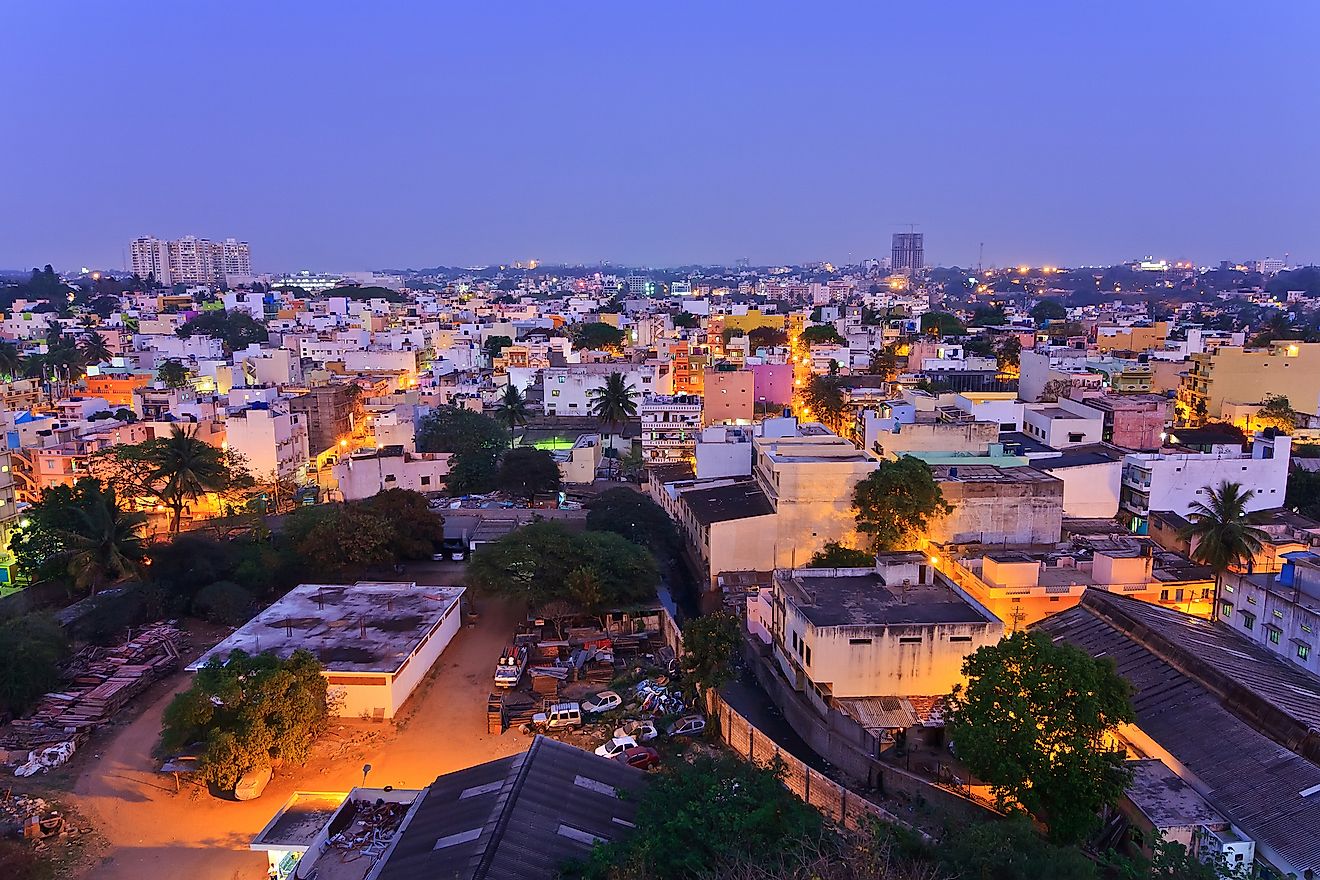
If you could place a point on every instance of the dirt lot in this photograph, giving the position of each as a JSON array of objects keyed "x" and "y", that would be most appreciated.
[{"x": 143, "y": 827}]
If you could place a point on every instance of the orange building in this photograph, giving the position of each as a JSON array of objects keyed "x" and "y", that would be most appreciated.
[{"x": 117, "y": 389}]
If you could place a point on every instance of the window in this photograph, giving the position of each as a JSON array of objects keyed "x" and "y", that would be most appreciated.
[
  {"x": 960, "y": 638},
  {"x": 1226, "y": 609},
  {"x": 909, "y": 640},
  {"x": 1228, "y": 588},
  {"x": 1251, "y": 600},
  {"x": 1274, "y": 635},
  {"x": 1248, "y": 620},
  {"x": 806, "y": 654},
  {"x": 1164, "y": 595},
  {"x": 1278, "y": 615},
  {"x": 1303, "y": 651},
  {"x": 859, "y": 641},
  {"x": 426, "y": 481}
]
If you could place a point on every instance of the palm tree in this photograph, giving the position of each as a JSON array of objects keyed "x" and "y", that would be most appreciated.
[
  {"x": 1222, "y": 528},
  {"x": 512, "y": 409},
  {"x": 94, "y": 349},
  {"x": 615, "y": 402},
  {"x": 186, "y": 468},
  {"x": 106, "y": 545},
  {"x": 11, "y": 362}
]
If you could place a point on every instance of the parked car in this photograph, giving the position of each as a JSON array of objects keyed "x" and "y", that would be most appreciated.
[
  {"x": 688, "y": 725},
  {"x": 602, "y": 702},
  {"x": 641, "y": 757},
  {"x": 558, "y": 716},
  {"x": 642, "y": 730},
  {"x": 616, "y": 746}
]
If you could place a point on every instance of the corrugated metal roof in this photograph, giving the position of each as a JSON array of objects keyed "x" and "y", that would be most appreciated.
[
  {"x": 518, "y": 818},
  {"x": 1253, "y": 780}
]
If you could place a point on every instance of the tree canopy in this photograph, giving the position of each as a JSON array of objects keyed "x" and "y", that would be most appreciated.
[
  {"x": 597, "y": 335},
  {"x": 1035, "y": 721},
  {"x": 709, "y": 645},
  {"x": 942, "y": 324},
  {"x": 31, "y": 648},
  {"x": 1276, "y": 412},
  {"x": 896, "y": 502},
  {"x": 836, "y": 555},
  {"x": 527, "y": 472},
  {"x": 636, "y": 517},
  {"x": 1049, "y": 310},
  {"x": 822, "y": 398},
  {"x": 767, "y": 337},
  {"x": 80, "y": 534},
  {"x": 389, "y": 527},
  {"x": 477, "y": 441},
  {"x": 251, "y": 712},
  {"x": 236, "y": 329},
  {"x": 545, "y": 561},
  {"x": 821, "y": 334}
]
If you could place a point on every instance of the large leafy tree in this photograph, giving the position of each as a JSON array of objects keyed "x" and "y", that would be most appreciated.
[
  {"x": 615, "y": 402},
  {"x": 1035, "y": 721},
  {"x": 94, "y": 349},
  {"x": 11, "y": 361},
  {"x": 415, "y": 530},
  {"x": 544, "y": 562},
  {"x": 896, "y": 502},
  {"x": 1221, "y": 531},
  {"x": 185, "y": 467},
  {"x": 528, "y": 472},
  {"x": 702, "y": 818},
  {"x": 250, "y": 711},
  {"x": 79, "y": 534},
  {"x": 173, "y": 373},
  {"x": 821, "y": 334},
  {"x": 1276, "y": 412},
  {"x": 476, "y": 441},
  {"x": 1049, "y": 310},
  {"x": 512, "y": 409},
  {"x": 636, "y": 517},
  {"x": 709, "y": 644},
  {"x": 822, "y": 398},
  {"x": 494, "y": 345},
  {"x": 942, "y": 324},
  {"x": 236, "y": 330},
  {"x": 597, "y": 335}
]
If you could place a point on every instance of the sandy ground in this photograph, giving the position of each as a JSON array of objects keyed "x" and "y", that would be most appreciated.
[{"x": 149, "y": 830}]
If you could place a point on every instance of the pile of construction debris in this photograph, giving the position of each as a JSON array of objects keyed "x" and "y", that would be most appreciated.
[
  {"x": 101, "y": 683},
  {"x": 370, "y": 830}
]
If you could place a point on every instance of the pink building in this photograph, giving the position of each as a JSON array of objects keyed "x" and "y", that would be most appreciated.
[
  {"x": 1132, "y": 421},
  {"x": 772, "y": 384},
  {"x": 728, "y": 397}
]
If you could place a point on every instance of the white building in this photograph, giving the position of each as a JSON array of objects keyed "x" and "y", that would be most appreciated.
[
  {"x": 1063, "y": 424},
  {"x": 376, "y": 641},
  {"x": 151, "y": 256},
  {"x": 369, "y": 472},
  {"x": 1279, "y": 610},
  {"x": 1174, "y": 481},
  {"x": 568, "y": 389},
  {"x": 724, "y": 451},
  {"x": 271, "y": 438},
  {"x": 190, "y": 260},
  {"x": 671, "y": 424}
]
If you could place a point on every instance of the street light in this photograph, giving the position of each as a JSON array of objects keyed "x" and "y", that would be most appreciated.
[{"x": 366, "y": 768}]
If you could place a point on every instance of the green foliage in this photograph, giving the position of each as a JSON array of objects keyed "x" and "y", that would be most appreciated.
[
  {"x": 988, "y": 316},
  {"x": 686, "y": 320},
  {"x": 477, "y": 442},
  {"x": 696, "y": 818},
  {"x": 1009, "y": 355},
  {"x": 414, "y": 528},
  {"x": 1011, "y": 850},
  {"x": 942, "y": 324},
  {"x": 388, "y": 527},
  {"x": 896, "y": 502},
  {"x": 637, "y": 518},
  {"x": 173, "y": 373},
  {"x": 823, "y": 398},
  {"x": 183, "y": 468},
  {"x": 1303, "y": 493},
  {"x": 1276, "y": 412},
  {"x": 1049, "y": 310},
  {"x": 883, "y": 363},
  {"x": 821, "y": 334},
  {"x": 597, "y": 335},
  {"x": 367, "y": 292},
  {"x": 512, "y": 409},
  {"x": 615, "y": 402},
  {"x": 236, "y": 329},
  {"x": 31, "y": 648},
  {"x": 836, "y": 555},
  {"x": 79, "y": 534},
  {"x": 527, "y": 472},
  {"x": 767, "y": 337},
  {"x": 494, "y": 345},
  {"x": 1221, "y": 528},
  {"x": 224, "y": 602},
  {"x": 251, "y": 712},
  {"x": 544, "y": 561},
  {"x": 709, "y": 644},
  {"x": 1035, "y": 721}
]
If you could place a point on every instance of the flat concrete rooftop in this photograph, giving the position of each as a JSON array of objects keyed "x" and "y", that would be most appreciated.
[
  {"x": 301, "y": 818},
  {"x": 865, "y": 600},
  {"x": 364, "y": 627}
]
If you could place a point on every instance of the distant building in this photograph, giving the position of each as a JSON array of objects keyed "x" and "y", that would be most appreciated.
[
  {"x": 909, "y": 252},
  {"x": 190, "y": 260},
  {"x": 671, "y": 424}
]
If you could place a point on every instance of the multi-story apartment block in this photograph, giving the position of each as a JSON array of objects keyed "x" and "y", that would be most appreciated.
[
  {"x": 190, "y": 260},
  {"x": 671, "y": 425},
  {"x": 1174, "y": 481},
  {"x": 568, "y": 389},
  {"x": 1280, "y": 610},
  {"x": 1236, "y": 375},
  {"x": 271, "y": 438}
]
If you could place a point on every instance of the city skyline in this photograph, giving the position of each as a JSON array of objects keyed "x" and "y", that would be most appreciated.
[{"x": 699, "y": 137}]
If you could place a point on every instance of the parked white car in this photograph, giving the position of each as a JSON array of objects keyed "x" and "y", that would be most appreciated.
[
  {"x": 616, "y": 746},
  {"x": 642, "y": 730},
  {"x": 602, "y": 702},
  {"x": 688, "y": 725}
]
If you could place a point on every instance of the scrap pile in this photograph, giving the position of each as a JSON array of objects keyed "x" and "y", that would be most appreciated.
[
  {"x": 372, "y": 828},
  {"x": 101, "y": 682}
]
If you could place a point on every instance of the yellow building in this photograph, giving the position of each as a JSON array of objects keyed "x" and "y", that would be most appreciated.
[
  {"x": 1235, "y": 375},
  {"x": 1132, "y": 338}
]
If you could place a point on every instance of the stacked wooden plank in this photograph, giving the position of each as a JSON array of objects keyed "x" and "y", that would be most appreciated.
[
  {"x": 494, "y": 714},
  {"x": 101, "y": 683}
]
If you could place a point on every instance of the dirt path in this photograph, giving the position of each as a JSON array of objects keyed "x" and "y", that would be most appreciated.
[{"x": 151, "y": 831}]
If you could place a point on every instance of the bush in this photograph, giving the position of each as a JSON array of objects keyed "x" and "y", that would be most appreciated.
[
  {"x": 31, "y": 648},
  {"x": 224, "y": 602}
]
